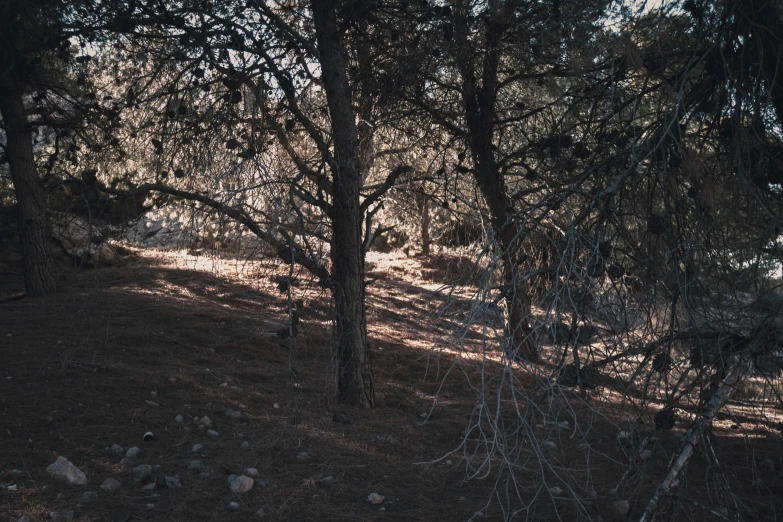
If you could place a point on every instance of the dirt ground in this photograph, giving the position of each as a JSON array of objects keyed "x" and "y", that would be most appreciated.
[{"x": 120, "y": 351}]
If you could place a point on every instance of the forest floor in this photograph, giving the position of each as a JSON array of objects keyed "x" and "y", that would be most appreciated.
[{"x": 123, "y": 350}]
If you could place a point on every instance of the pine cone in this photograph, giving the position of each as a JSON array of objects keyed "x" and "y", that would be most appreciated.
[{"x": 665, "y": 419}]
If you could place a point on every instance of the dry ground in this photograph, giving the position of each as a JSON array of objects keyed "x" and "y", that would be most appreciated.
[{"x": 78, "y": 370}]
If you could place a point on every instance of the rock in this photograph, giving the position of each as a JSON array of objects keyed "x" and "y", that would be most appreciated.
[
  {"x": 153, "y": 394},
  {"x": 233, "y": 414},
  {"x": 449, "y": 462},
  {"x": 156, "y": 467},
  {"x": 148, "y": 437},
  {"x": 252, "y": 472},
  {"x": 152, "y": 403},
  {"x": 462, "y": 499},
  {"x": 621, "y": 507},
  {"x": 172, "y": 481},
  {"x": 111, "y": 485},
  {"x": 204, "y": 474},
  {"x": 149, "y": 506},
  {"x": 126, "y": 462},
  {"x": 196, "y": 465},
  {"x": 327, "y": 480},
  {"x": 150, "y": 487},
  {"x": 179, "y": 418},
  {"x": 61, "y": 515},
  {"x": 142, "y": 472},
  {"x": 236, "y": 389},
  {"x": 767, "y": 465},
  {"x": 550, "y": 444},
  {"x": 196, "y": 448},
  {"x": 261, "y": 513},
  {"x": 25, "y": 518},
  {"x": 63, "y": 470},
  {"x": 556, "y": 491},
  {"x": 624, "y": 435},
  {"x": 206, "y": 421},
  {"x": 245, "y": 444},
  {"x": 303, "y": 456},
  {"x": 645, "y": 454},
  {"x": 213, "y": 433},
  {"x": 114, "y": 449},
  {"x": 233, "y": 506},
  {"x": 133, "y": 452},
  {"x": 341, "y": 418},
  {"x": 241, "y": 484},
  {"x": 89, "y": 496},
  {"x": 375, "y": 498}
]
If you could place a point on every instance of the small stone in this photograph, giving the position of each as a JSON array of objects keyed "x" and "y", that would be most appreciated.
[
  {"x": 449, "y": 462},
  {"x": 179, "y": 418},
  {"x": 252, "y": 472},
  {"x": 150, "y": 487},
  {"x": 233, "y": 414},
  {"x": 382, "y": 508},
  {"x": 767, "y": 465},
  {"x": 156, "y": 467},
  {"x": 114, "y": 449},
  {"x": 375, "y": 498},
  {"x": 327, "y": 480},
  {"x": 142, "y": 472},
  {"x": 317, "y": 496},
  {"x": 224, "y": 385},
  {"x": 276, "y": 406},
  {"x": 624, "y": 435},
  {"x": 133, "y": 452},
  {"x": 462, "y": 499},
  {"x": 152, "y": 403},
  {"x": 550, "y": 444},
  {"x": 172, "y": 380},
  {"x": 233, "y": 506},
  {"x": 25, "y": 518},
  {"x": 89, "y": 496},
  {"x": 621, "y": 507},
  {"x": 303, "y": 456},
  {"x": 61, "y": 515},
  {"x": 153, "y": 394},
  {"x": 63, "y": 470},
  {"x": 195, "y": 419},
  {"x": 126, "y": 462},
  {"x": 213, "y": 433},
  {"x": 261, "y": 513},
  {"x": 172, "y": 481},
  {"x": 245, "y": 444},
  {"x": 111, "y": 485},
  {"x": 645, "y": 454},
  {"x": 206, "y": 421},
  {"x": 196, "y": 448},
  {"x": 556, "y": 491},
  {"x": 196, "y": 465},
  {"x": 236, "y": 389},
  {"x": 204, "y": 474},
  {"x": 241, "y": 484},
  {"x": 150, "y": 506}
]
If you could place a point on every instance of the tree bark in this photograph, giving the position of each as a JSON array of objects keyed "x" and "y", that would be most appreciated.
[
  {"x": 39, "y": 278},
  {"x": 354, "y": 371},
  {"x": 425, "y": 225}
]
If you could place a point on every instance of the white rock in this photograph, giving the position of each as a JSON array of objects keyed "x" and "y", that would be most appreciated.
[
  {"x": 196, "y": 448},
  {"x": 213, "y": 433},
  {"x": 63, "y": 470},
  {"x": 375, "y": 498},
  {"x": 206, "y": 421},
  {"x": 556, "y": 490},
  {"x": 233, "y": 506},
  {"x": 252, "y": 472},
  {"x": 110, "y": 485},
  {"x": 624, "y": 435},
  {"x": 621, "y": 507},
  {"x": 246, "y": 444},
  {"x": 550, "y": 444},
  {"x": 133, "y": 452},
  {"x": 449, "y": 462},
  {"x": 179, "y": 418},
  {"x": 645, "y": 454},
  {"x": 462, "y": 499},
  {"x": 241, "y": 484}
]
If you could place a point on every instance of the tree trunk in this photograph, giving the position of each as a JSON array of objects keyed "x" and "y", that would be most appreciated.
[
  {"x": 39, "y": 276},
  {"x": 354, "y": 371},
  {"x": 479, "y": 101},
  {"x": 425, "y": 225}
]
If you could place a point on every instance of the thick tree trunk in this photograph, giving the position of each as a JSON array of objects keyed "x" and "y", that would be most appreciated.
[
  {"x": 354, "y": 371},
  {"x": 39, "y": 276}
]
